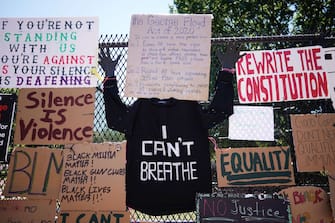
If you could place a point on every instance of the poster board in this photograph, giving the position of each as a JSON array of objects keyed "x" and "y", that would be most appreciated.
[
  {"x": 254, "y": 166},
  {"x": 7, "y": 108},
  {"x": 291, "y": 74},
  {"x": 93, "y": 177},
  {"x": 26, "y": 211},
  {"x": 34, "y": 173},
  {"x": 218, "y": 208},
  {"x": 48, "y": 52},
  {"x": 94, "y": 216},
  {"x": 169, "y": 56},
  {"x": 251, "y": 123},
  {"x": 331, "y": 180},
  {"x": 314, "y": 141},
  {"x": 308, "y": 204},
  {"x": 54, "y": 116}
]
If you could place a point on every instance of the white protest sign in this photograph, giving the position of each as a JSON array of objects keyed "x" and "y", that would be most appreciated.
[
  {"x": 48, "y": 52},
  {"x": 267, "y": 76},
  {"x": 329, "y": 55},
  {"x": 169, "y": 56},
  {"x": 252, "y": 123}
]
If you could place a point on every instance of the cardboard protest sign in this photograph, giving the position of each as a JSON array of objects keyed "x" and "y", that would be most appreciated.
[
  {"x": 254, "y": 166},
  {"x": 251, "y": 123},
  {"x": 34, "y": 173},
  {"x": 267, "y": 76},
  {"x": 331, "y": 180},
  {"x": 308, "y": 204},
  {"x": 7, "y": 108},
  {"x": 314, "y": 141},
  {"x": 329, "y": 56},
  {"x": 54, "y": 116},
  {"x": 222, "y": 209},
  {"x": 43, "y": 211},
  {"x": 93, "y": 177},
  {"x": 94, "y": 216},
  {"x": 48, "y": 52},
  {"x": 169, "y": 56}
]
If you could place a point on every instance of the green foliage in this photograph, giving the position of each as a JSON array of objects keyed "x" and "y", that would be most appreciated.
[
  {"x": 242, "y": 18},
  {"x": 264, "y": 18},
  {"x": 314, "y": 16}
]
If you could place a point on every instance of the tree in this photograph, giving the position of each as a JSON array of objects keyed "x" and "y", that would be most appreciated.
[
  {"x": 242, "y": 18},
  {"x": 314, "y": 16},
  {"x": 257, "y": 18}
]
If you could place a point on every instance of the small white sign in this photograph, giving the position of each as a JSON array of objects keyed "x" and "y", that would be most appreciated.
[{"x": 252, "y": 123}]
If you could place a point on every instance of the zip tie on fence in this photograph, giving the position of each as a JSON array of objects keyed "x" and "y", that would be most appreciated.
[{"x": 95, "y": 73}]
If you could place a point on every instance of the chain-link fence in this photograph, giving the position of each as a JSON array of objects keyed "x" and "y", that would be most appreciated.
[{"x": 117, "y": 45}]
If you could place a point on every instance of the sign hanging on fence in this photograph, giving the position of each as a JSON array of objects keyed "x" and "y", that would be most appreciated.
[
  {"x": 28, "y": 211},
  {"x": 331, "y": 182},
  {"x": 329, "y": 55},
  {"x": 169, "y": 56},
  {"x": 93, "y": 177},
  {"x": 251, "y": 123},
  {"x": 54, "y": 116},
  {"x": 282, "y": 75},
  {"x": 220, "y": 209},
  {"x": 94, "y": 216},
  {"x": 314, "y": 141},
  {"x": 48, "y": 52},
  {"x": 256, "y": 166},
  {"x": 34, "y": 173},
  {"x": 308, "y": 204},
  {"x": 7, "y": 108}
]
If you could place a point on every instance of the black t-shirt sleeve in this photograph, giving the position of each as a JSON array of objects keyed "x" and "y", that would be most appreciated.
[
  {"x": 115, "y": 110},
  {"x": 221, "y": 106}
]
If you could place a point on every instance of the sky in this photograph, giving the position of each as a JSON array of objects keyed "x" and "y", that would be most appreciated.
[{"x": 114, "y": 15}]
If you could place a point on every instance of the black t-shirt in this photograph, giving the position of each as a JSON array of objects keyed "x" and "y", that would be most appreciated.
[
  {"x": 168, "y": 158},
  {"x": 167, "y": 146}
]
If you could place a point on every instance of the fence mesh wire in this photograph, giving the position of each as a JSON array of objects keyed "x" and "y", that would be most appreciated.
[{"x": 117, "y": 45}]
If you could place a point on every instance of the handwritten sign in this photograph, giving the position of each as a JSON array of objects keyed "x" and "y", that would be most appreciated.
[
  {"x": 282, "y": 75},
  {"x": 308, "y": 204},
  {"x": 7, "y": 108},
  {"x": 254, "y": 166},
  {"x": 25, "y": 211},
  {"x": 48, "y": 52},
  {"x": 55, "y": 116},
  {"x": 34, "y": 173},
  {"x": 314, "y": 141},
  {"x": 96, "y": 216},
  {"x": 331, "y": 180},
  {"x": 169, "y": 56},
  {"x": 247, "y": 119},
  {"x": 220, "y": 209},
  {"x": 94, "y": 177}
]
